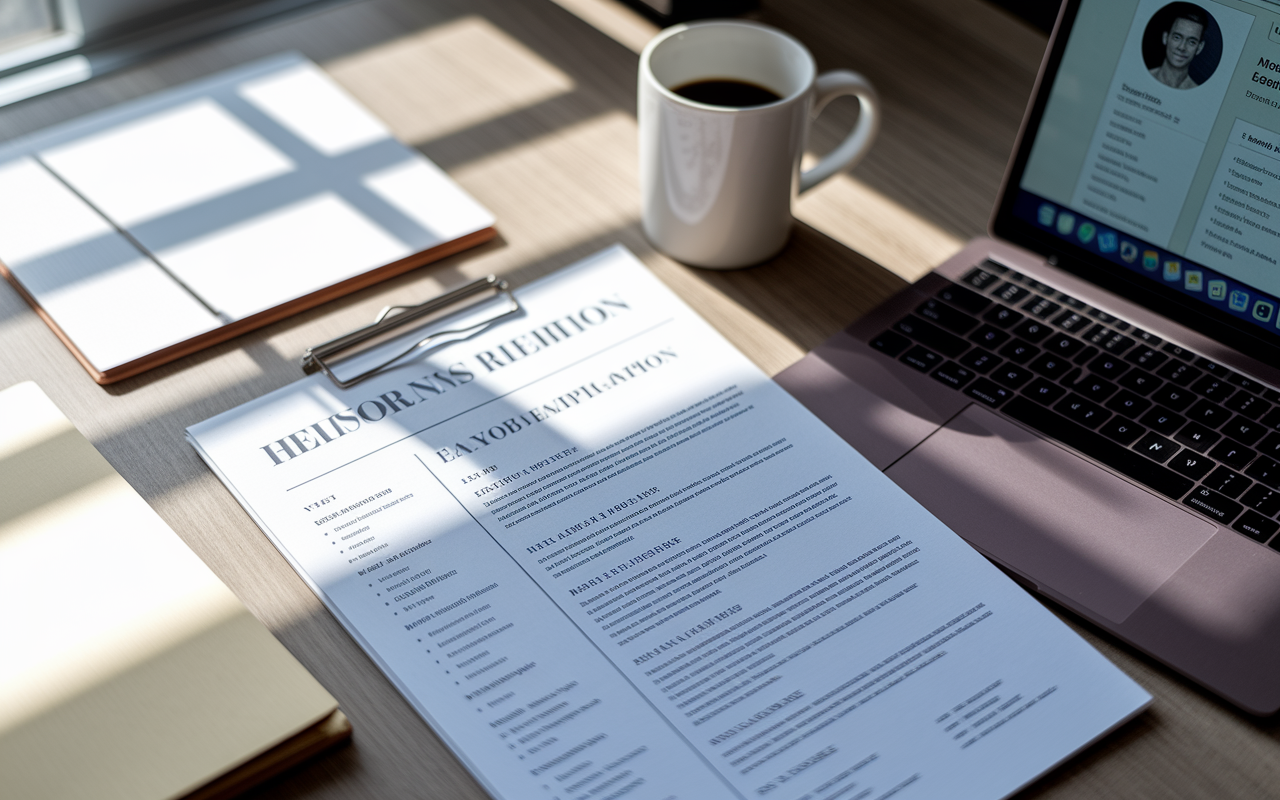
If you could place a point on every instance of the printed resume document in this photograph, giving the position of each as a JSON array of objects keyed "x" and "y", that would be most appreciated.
[{"x": 604, "y": 556}]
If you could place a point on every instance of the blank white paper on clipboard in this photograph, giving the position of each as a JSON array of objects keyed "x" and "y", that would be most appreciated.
[{"x": 193, "y": 215}]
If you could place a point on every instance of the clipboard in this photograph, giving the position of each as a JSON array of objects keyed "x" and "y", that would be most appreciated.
[
  {"x": 381, "y": 345},
  {"x": 154, "y": 229}
]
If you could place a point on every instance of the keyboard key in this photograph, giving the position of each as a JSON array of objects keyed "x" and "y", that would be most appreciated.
[
  {"x": 1097, "y": 334},
  {"x": 921, "y": 358},
  {"x": 1271, "y": 419},
  {"x": 1129, "y": 404},
  {"x": 1178, "y": 352},
  {"x": 1162, "y": 420},
  {"x": 1101, "y": 315},
  {"x": 1265, "y": 470},
  {"x": 1091, "y": 387},
  {"x": 1117, "y": 343},
  {"x": 1050, "y": 365},
  {"x": 1248, "y": 405},
  {"x": 1261, "y": 499},
  {"x": 1108, "y": 366},
  {"x": 1011, "y": 293},
  {"x": 947, "y": 317},
  {"x": 1061, "y": 345},
  {"x": 891, "y": 343},
  {"x": 1098, "y": 447},
  {"x": 1270, "y": 446},
  {"x": 1146, "y": 337},
  {"x": 980, "y": 278},
  {"x": 998, "y": 268},
  {"x": 1227, "y": 481},
  {"x": 1211, "y": 367},
  {"x": 1207, "y": 412},
  {"x": 1197, "y": 437},
  {"x": 1256, "y": 526},
  {"x": 988, "y": 392},
  {"x": 1173, "y": 397},
  {"x": 1243, "y": 430},
  {"x": 1044, "y": 392},
  {"x": 1122, "y": 430},
  {"x": 1019, "y": 352},
  {"x": 1002, "y": 316},
  {"x": 931, "y": 336},
  {"x": 1086, "y": 355},
  {"x": 1107, "y": 339},
  {"x": 1042, "y": 288},
  {"x": 1233, "y": 454},
  {"x": 989, "y": 337},
  {"x": 1214, "y": 387},
  {"x": 1191, "y": 464},
  {"x": 1121, "y": 325},
  {"x": 1085, "y": 412},
  {"x": 1213, "y": 505},
  {"x": 979, "y": 360},
  {"x": 1270, "y": 395},
  {"x": 1071, "y": 302},
  {"x": 1145, "y": 357},
  {"x": 1071, "y": 322},
  {"x": 953, "y": 375},
  {"x": 1011, "y": 376},
  {"x": 1244, "y": 382},
  {"x": 1032, "y": 330},
  {"x": 1139, "y": 381},
  {"x": 963, "y": 298},
  {"x": 1179, "y": 373},
  {"x": 1041, "y": 307},
  {"x": 1156, "y": 447}
]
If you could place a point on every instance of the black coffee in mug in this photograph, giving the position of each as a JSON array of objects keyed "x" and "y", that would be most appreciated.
[{"x": 727, "y": 92}]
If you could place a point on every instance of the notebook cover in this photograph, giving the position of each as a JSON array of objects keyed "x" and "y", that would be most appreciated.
[{"x": 130, "y": 670}]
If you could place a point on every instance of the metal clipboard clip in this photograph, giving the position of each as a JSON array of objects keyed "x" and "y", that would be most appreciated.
[{"x": 376, "y": 338}]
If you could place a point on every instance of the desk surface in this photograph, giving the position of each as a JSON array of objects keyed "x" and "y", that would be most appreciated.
[{"x": 529, "y": 104}]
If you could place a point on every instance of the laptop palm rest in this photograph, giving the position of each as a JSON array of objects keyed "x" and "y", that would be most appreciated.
[{"x": 1083, "y": 535}]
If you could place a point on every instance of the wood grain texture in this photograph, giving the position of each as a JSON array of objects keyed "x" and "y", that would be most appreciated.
[{"x": 532, "y": 109}]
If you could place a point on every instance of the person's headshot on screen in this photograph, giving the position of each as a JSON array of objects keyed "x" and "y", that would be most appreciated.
[{"x": 1182, "y": 43}]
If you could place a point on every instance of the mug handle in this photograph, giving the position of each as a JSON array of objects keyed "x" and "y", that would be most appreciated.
[{"x": 828, "y": 87}]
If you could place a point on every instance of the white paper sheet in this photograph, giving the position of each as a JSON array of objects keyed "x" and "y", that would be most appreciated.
[
  {"x": 146, "y": 168},
  {"x": 107, "y": 296},
  {"x": 605, "y": 556},
  {"x": 156, "y": 221}
]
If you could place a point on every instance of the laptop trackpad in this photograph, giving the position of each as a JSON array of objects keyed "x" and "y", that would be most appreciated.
[{"x": 1073, "y": 528}]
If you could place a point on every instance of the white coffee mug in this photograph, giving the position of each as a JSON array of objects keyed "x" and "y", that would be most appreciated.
[{"x": 717, "y": 182}]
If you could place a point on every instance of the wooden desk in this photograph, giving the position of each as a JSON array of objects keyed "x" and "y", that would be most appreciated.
[{"x": 531, "y": 108}]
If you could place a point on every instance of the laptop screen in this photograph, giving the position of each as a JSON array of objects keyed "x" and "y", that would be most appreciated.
[{"x": 1151, "y": 160}]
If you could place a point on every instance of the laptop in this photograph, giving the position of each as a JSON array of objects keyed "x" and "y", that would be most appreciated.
[{"x": 1089, "y": 396}]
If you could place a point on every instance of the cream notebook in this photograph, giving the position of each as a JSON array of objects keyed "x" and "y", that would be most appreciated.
[{"x": 128, "y": 669}]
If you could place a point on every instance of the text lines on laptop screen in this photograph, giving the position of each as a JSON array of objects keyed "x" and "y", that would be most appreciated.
[{"x": 1159, "y": 148}]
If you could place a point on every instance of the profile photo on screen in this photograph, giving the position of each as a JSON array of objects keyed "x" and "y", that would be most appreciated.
[{"x": 1182, "y": 45}]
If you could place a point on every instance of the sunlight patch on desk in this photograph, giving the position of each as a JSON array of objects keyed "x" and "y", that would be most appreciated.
[
  {"x": 448, "y": 78},
  {"x": 572, "y": 210},
  {"x": 893, "y": 236},
  {"x": 620, "y": 23}
]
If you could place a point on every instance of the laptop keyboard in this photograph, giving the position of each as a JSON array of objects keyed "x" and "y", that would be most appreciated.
[{"x": 1180, "y": 424}]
